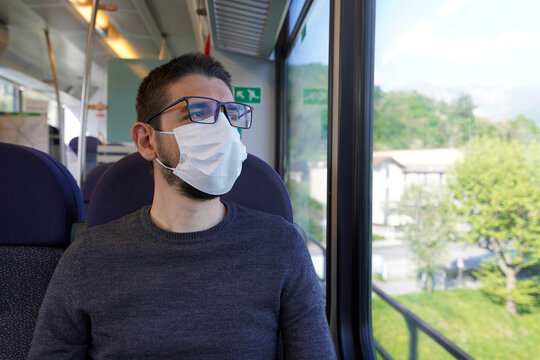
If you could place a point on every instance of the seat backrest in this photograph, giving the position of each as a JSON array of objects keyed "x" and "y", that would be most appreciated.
[
  {"x": 91, "y": 150},
  {"x": 91, "y": 144},
  {"x": 128, "y": 185},
  {"x": 92, "y": 179},
  {"x": 39, "y": 203}
]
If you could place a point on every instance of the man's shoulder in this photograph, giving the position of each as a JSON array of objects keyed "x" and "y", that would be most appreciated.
[
  {"x": 111, "y": 232},
  {"x": 252, "y": 217},
  {"x": 278, "y": 232}
]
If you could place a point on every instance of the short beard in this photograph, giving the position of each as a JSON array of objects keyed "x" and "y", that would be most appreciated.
[{"x": 182, "y": 187}]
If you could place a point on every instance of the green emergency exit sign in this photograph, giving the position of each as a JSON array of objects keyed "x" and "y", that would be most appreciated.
[
  {"x": 315, "y": 96},
  {"x": 248, "y": 95}
]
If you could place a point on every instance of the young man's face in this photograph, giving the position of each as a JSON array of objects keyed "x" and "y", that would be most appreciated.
[{"x": 167, "y": 148}]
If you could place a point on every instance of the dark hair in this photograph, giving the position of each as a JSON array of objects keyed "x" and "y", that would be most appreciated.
[{"x": 152, "y": 96}]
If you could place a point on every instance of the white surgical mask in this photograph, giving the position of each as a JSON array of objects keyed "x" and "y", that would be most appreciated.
[{"x": 211, "y": 155}]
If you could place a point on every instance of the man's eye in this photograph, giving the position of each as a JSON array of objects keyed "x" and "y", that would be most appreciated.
[{"x": 198, "y": 114}]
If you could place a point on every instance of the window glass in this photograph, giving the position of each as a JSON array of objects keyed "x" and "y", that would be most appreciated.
[
  {"x": 307, "y": 122},
  {"x": 456, "y": 176},
  {"x": 295, "y": 8},
  {"x": 6, "y": 96},
  {"x": 52, "y": 107}
]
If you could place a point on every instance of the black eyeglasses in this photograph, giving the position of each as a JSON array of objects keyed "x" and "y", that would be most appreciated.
[{"x": 205, "y": 110}]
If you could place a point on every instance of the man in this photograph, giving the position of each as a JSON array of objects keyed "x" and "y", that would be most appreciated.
[{"x": 190, "y": 277}]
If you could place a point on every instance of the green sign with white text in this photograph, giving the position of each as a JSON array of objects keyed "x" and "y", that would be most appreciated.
[
  {"x": 315, "y": 96},
  {"x": 248, "y": 95}
]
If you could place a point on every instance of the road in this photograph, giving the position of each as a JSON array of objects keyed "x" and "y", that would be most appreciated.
[{"x": 392, "y": 260}]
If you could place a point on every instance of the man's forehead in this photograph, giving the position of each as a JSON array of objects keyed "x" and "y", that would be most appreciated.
[{"x": 199, "y": 85}]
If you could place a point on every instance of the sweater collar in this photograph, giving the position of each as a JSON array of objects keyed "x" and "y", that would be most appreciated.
[{"x": 150, "y": 226}]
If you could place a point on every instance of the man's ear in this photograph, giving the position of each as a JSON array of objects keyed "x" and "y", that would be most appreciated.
[{"x": 143, "y": 137}]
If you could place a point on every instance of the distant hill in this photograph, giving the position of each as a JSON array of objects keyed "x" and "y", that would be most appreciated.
[{"x": 492, "y": 102}]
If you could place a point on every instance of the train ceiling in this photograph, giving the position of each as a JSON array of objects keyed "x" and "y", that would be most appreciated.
[{"x": 248, "y": 27}]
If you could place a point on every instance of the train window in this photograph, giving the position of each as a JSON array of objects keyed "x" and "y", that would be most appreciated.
[
  {"x": 7, "y": 96},
  {"x": 52, "y": 106},
  {"x": 456, "y": 179},
  {"x": 306, "y": 155},
  {"x": 295, "y": 8}
]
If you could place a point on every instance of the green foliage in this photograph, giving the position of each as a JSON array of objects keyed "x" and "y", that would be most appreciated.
[
  {"x": 467, "y": 317},
  {"x": 495, "y": 190},
  {"x": 460, "y": 122},
  {"x": 307, "y": 125},
  {"x": 409, "y": 120},
  {"x": 526, "y": 293},
  {"x": 405, "y": 120},
  {"x": 307, "y": 130},
  {"x": 428, "y": 229},
  {"x": 308, "y": 212},
  {"x": 485, "y": 128},
  {"x": 521, "y": 129}
]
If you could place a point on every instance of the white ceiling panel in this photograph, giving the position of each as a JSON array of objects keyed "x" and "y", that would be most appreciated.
[{"x": 247, "y": 26}]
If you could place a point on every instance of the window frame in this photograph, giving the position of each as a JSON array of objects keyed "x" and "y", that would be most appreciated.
[{"x": 349, "y": 158}]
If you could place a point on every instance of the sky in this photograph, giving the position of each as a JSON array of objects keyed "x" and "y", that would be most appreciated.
[
  {"x": 451, "y": 43},
  {"x": 313, "y": 47},
  {"x": 489, "y": 49}
]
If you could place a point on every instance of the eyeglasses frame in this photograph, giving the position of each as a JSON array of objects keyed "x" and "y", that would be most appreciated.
[{"x": 221, "y": 104}]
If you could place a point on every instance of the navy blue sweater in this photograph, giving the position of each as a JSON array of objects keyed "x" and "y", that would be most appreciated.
[{"x": 130, "y": 290}]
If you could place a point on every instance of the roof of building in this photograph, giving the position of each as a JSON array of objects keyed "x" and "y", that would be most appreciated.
[
  {"x": 422, "y": 160},
  {"x": 377, "y": 160}
]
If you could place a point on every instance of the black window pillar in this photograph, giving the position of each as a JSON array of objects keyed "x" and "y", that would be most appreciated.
[{"x": 352, "y": 52}]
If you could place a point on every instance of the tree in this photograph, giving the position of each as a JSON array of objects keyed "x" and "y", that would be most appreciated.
[
  {"x": 461, "y": 123},
  {"x": 520, "y": 129},
  {"x": 496, "y": 191},
  {"x": 308, "y": 212},
  {"x": 428, "y": 228},
  {"x": 409, "y": 120},
  {"x": 404, "y": 120}
]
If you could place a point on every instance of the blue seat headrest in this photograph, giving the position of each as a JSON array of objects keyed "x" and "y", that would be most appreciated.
[
  {"x": 40, "y": 199},
  {"x": 92, "y": 179},
  {"x": 128, "y": 185},
  {"x": 259, "y": 187},
  {"x": 91, "y": 144}
]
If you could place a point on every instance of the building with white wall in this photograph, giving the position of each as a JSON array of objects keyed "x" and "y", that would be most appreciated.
[{"x": 395, "y": 170}]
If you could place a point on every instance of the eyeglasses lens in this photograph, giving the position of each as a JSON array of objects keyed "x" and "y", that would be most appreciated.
[
  {"x": 206, "y": 111},
  {"x": 203, "y": 110},
  {"x": 239, "y": 115}
]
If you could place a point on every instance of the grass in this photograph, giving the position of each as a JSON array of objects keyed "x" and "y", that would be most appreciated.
[{"x": 483, "y": 329}]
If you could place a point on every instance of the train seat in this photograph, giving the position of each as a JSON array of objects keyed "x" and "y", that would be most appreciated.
[
  {"x": 91, "y": 150},
  {"x": 128, "y": 185},
  {"x": 40, "y": 203},
  {"x": 92, "y": 179}
]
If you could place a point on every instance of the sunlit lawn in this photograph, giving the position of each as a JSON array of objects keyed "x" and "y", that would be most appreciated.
[{"x": 482, "y": 328}]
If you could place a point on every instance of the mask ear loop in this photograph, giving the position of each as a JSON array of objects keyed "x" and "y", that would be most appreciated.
[
  {"x": 165, "y": 166},
  {"x": 157, "y": 158}
]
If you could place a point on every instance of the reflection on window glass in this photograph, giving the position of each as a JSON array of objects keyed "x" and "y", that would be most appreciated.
[
  {"x": 307, "y": 122},
  {"x": 456, "y": 176},
  {"x": 295, "y": 8},
  {"x": 6, "y": 96}
]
